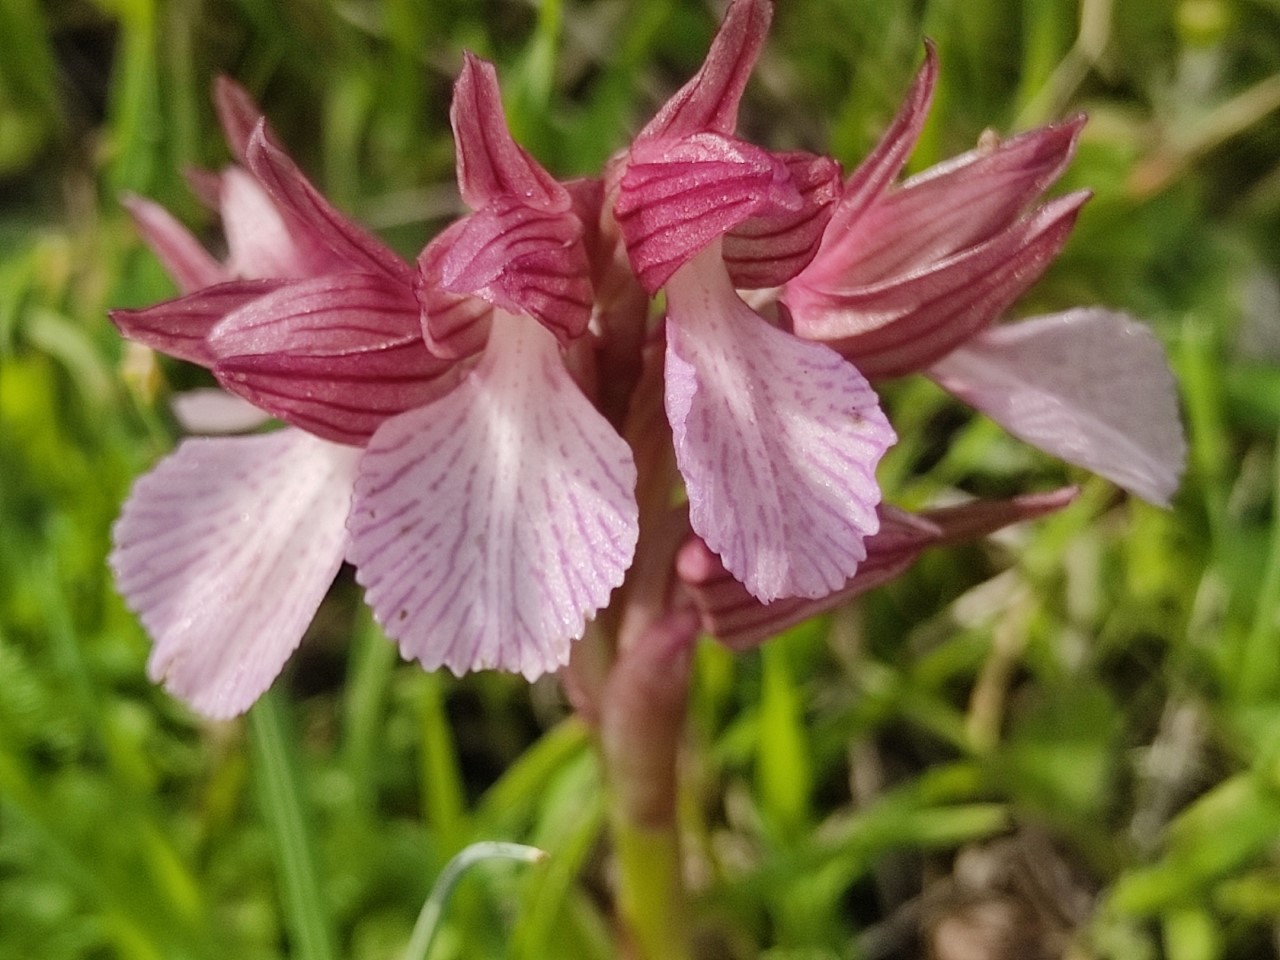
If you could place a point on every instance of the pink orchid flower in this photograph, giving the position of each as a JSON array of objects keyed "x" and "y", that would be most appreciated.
[
  {"x": 910, "y": 277},
  {"x": 777, "y": 438},
  {"x": 226, "y": 548},
  {"x": 490, "y": 525}
]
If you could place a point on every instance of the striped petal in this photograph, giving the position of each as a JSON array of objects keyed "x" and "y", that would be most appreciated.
[
  {"x": 312, "y": 214},
  {"x": 335, "y": 355},
  {"x": 709, "y": 101},
  {"x": 514, "y": 256},
  {"x": 225, "y": 551},
  {"x": 181, "y": 326},
  {"x": 768, "y": 251},
  {"x": 491, "y": 165},
  {"x": 740, "y": 621},
  {"x": 777, "y": 439},
  {"x": 1091, "y": 386},
  {"x": 488, "y": 527},
  {"x": 676, "y": 197},
  {"x": 908, "y": 322}
]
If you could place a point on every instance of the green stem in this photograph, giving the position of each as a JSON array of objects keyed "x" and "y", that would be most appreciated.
[
  {"x": 651, "y": 889},
  {"x": 280, "y": 794}
]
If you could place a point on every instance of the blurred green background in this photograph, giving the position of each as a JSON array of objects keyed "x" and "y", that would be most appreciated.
[{"x": 1066, "y": 741}]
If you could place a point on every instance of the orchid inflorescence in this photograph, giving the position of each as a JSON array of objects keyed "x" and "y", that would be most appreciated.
[{"x": 481, "y": 432}]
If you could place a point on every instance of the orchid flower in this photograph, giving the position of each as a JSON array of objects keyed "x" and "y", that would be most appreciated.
[
  {"x": 226, "y": 548},
  {"x": 488, "y": 526},
  {"x": 777, "y": 438},
  {"x": 910, "y": 277}
]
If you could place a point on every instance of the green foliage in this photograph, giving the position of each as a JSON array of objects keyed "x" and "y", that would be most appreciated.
[{"x": 1094, "y": 698}]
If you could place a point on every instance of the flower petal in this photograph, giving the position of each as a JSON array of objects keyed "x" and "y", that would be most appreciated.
[
  {"x": 948, "y": 208},
  {"x": 882, "y": 165},
  {"x": 768, "y": 251},
  {"x": 902, "y": 326},
  {"x": 491, "y": 165},
  {"x": 1089, "y": 385},
  {"x": 676, "y": 197},
  {"x": 225, "y": 551},
  {"x": 183, "y": 256},
  {"x": 319, "y": 219},
  {"x": 777, "y": 439},
  {"x": 740, "y": 621},
  {"x": 208, "y": 410},
  {"x": 260, "y": 241},
  {"x": 489, "y": 526},
  {"x": 335, "y": 355},
  {"x": 709, "y": 101},
  {"x": 180, "y": 327},
  {"x": 519, "y": 258},
  {"x": 238, "y": 113}
]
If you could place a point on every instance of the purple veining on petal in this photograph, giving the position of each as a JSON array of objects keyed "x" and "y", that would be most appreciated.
[
  {"x": 709, "y": 101},
  {"x": 777, "y": 439},
  {"x": 179, "y": 327},
  {"x": 491, "y": 165},
  {"x": 521, "y": 502},
  {"x": 334, "y": 355},
  {"x": 906, "y": 323},
  {"x": 225, "y": 551},
  {"x": 676, "y": 197}
]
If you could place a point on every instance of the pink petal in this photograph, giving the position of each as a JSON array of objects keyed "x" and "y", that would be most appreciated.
[
  {"x": 740, "y": 621},
  {"x": 260, "y": 242},
  {"x": 238, "y": 113},
  {"x": 768, "y": 251},
  {"x": 709, "y": 102},
  {"x": 1089, "y": 385},
  {"x": 903, "y": 325},
  {"x": 882, "y": 165},
  {"x": 777, "y": 440},
  {"x": 180, "y": 327},
  {"x": 210, "y": 410},
  {"x": 183, "y": 256},
  {"x": 225, "y": 551},
  {"x": 489, "y": 526},
  {"x": 335, "y": 355},
  {"x": 676, "y": 197},
  {"x": 518, "y": 258},
  {"x": 951, "y": 207},
  {"x": 491, "y": 165},
  {"x": 321, "y": 222}
]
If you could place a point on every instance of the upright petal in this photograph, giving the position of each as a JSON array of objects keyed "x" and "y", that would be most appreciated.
[
  {"x": 777, "y": 439},
  {"x": 709, "y": 102},
  {"x": 490, "y": 163},
  {"x": 225, "y": 551},
  {"x": 767, "y": 251},
  {"x": 882, "y": 165},
  {"x": 489, "y": 526},
  {"x": 944, "y": 210},
  {"x": 317, "y": 217},
  {"x": 238, "y": 113},
  {"x": 905, "y": 323},
  {"x": 184, "y": 258},
  {"x": 261, "y": 242},
  {"x": 1089, "y": 385}
]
